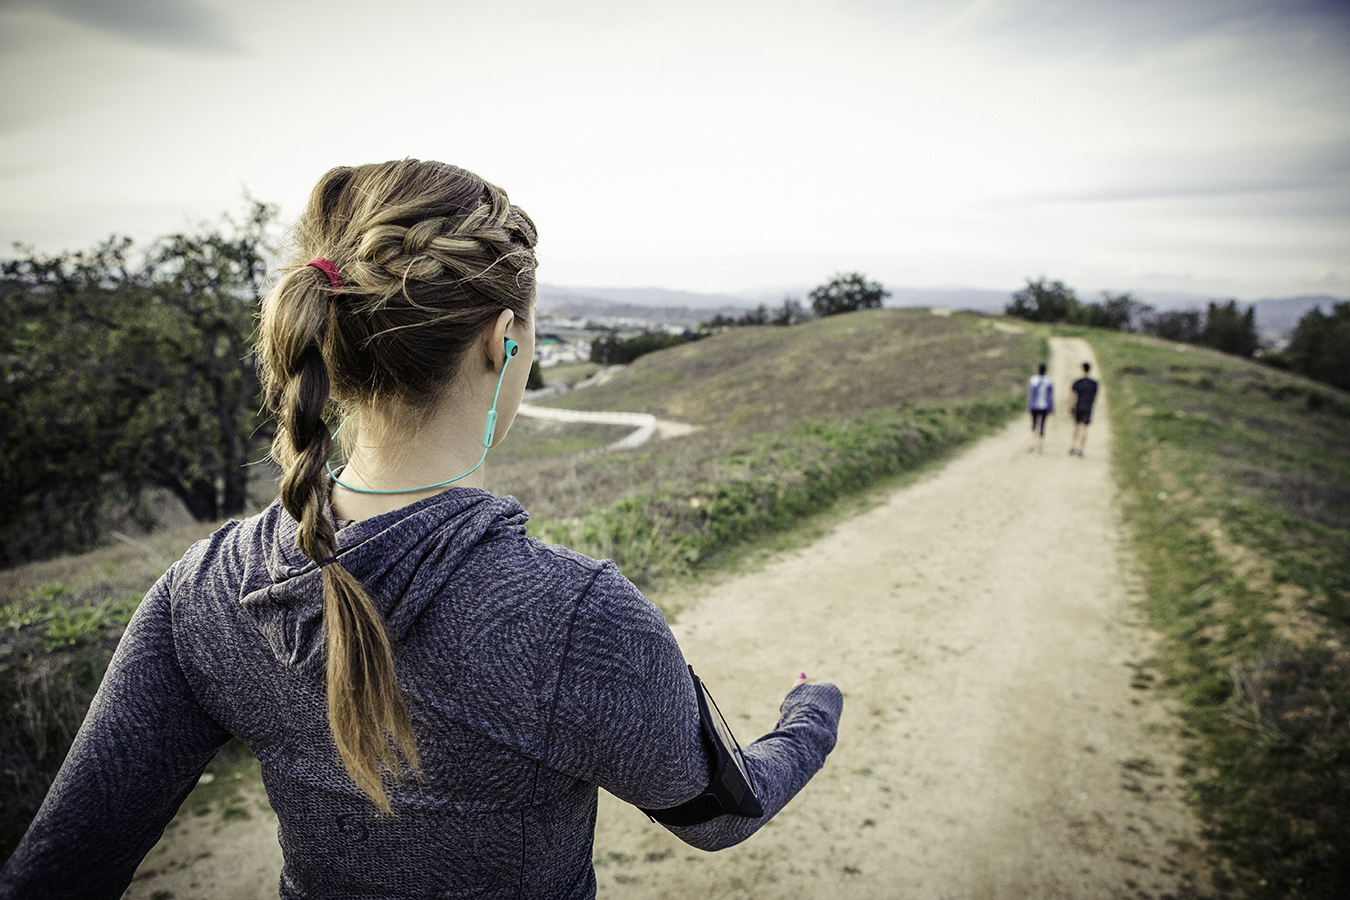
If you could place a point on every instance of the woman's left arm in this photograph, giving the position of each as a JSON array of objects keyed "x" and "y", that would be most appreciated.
[
  {"x": 628, "y": 719},
  {"x": 138, "y": 753}
]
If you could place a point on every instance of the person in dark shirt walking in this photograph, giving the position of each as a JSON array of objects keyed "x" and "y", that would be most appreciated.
[{"x": 1084, "y": 395}]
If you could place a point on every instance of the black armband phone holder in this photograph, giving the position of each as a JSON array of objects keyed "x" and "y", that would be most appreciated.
[{"x": 731, "y": 789}]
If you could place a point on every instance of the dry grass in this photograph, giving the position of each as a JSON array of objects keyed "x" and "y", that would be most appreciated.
[
  {"x": 1235, "y": 482},
  {"x": 748, "y": 382},
  {"x": 768, "y": 377}
]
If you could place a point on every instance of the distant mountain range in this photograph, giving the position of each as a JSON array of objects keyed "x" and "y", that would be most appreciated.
[{"x": 1275, "y": 316}]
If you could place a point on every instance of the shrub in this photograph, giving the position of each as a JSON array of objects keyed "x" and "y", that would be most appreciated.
[
  {"x": 1320, "y": 346},
  {"x": 613, "y": 351},
  {"x": 847, "y": 293},
  {"x": 786, "y": 476}
]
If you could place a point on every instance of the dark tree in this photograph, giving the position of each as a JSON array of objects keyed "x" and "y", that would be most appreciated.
[
  {"x": 535, "y": 380},
  {"x": 128, "y": 376},
  {"x": 1229, "y": 329},
  {"x": 58, "y": 421},
  {"x": 717, "y": 321},
  {"x": 614, "y": 350},
  {"x": 757, "y": 316},
  {"x": 1040, "y": 301},
  {"x": 1320, "y": 346},
  {"x": 1116, "y": 312},
  {"x": 1176, "y": 325},
  {"x": 201, "y": 408},
  {"x": 847, "y": 293},
  {"x": 790, "y": 313}
]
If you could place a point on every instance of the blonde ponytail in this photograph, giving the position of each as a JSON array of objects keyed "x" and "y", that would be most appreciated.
[
  {"x": 366, "y": 713},
  {"x": 429, "y": 255}
]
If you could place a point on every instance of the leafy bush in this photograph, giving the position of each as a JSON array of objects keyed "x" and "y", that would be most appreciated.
[
  {"x": 117, "y": 376},
  {"x": 1184, "y": 325},
  {"x": 1040, "y": 301},
  {"x": 847, "y": 293}
]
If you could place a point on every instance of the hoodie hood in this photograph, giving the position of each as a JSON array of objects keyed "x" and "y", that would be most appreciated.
[{"x": 401, "y": 557}]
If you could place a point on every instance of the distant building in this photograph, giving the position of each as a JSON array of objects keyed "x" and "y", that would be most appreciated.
[{"x": 561, "y": 346}]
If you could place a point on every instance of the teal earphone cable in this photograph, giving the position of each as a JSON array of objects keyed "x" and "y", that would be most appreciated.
[{"x": 512, "y": 348}]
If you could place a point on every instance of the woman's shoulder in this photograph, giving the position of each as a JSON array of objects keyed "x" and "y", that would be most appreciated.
[
  {"x": 558, "y": 571},
  {"x": 555, "y": 563},
  {"x": 233, "y": 552}
]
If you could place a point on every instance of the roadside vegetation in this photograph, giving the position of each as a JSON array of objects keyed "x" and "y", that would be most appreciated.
[
  {"x": 1222, "y": 326},
  {"x": 788, "y": 421},
  {"x": 1319, "y": 347},
  {"x": 1236, "y": 480},
  {"x": 124, "y": 373}
]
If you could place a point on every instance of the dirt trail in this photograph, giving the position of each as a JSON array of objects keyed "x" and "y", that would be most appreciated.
[{"x": 980, "y": 625}]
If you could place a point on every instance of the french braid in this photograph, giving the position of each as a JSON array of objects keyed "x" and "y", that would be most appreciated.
[{"x": 429, "y": 255}]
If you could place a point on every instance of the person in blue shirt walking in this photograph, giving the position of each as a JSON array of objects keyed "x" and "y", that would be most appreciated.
[{"x": 1040, "y": 403}]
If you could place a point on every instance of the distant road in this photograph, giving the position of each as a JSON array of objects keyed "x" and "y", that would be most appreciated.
[{"x": 644, "y": 424}]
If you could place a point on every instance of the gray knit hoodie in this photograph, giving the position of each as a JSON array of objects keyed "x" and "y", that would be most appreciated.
[{"x": 532, "y": 675}]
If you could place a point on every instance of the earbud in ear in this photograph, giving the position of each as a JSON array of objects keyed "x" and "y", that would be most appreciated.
[{"x": 490, "y": 428}]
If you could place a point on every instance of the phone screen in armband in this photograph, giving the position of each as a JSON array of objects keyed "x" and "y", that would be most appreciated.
[
  {"x": 740, "y": 787},
  {"x": 731, "y": 789}
]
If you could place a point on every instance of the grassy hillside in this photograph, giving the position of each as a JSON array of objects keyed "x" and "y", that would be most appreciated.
[
  {"x": 769, "y": 377},
  {"x": 746, "y": 383},
  {"x": 1237, "y": 484},
  {"x": 789, "y": 419}
]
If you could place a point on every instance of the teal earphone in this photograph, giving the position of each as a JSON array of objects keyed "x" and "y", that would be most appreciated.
[{"x": 512, "y": 348}]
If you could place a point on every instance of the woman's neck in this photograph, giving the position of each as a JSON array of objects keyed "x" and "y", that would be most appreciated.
[{"x": 384, "y": 457}]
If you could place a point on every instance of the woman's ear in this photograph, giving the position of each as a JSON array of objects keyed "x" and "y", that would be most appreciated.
[{"x": 495, "y": 337}]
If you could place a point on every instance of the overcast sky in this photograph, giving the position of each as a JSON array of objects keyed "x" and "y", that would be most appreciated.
[{"x": 1150, "y": 145}]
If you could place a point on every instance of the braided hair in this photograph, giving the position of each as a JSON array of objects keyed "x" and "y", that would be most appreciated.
[{"x": 429, "y": 256}]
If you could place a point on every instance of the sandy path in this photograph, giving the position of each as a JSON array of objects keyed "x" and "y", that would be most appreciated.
[{"x": 979, "y": 623}]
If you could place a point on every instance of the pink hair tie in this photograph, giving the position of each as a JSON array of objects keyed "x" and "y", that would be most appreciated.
[{"x": 326, "y": 267}]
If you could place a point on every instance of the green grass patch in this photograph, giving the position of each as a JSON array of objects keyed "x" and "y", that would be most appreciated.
[
  {"x": 749, "y": 387},
  {"x": 1236, "y": 483},
  {"x": 771, "y": 482},
  {"x": 838, "y": 366},
  {"x": 55, "y": 645}
]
